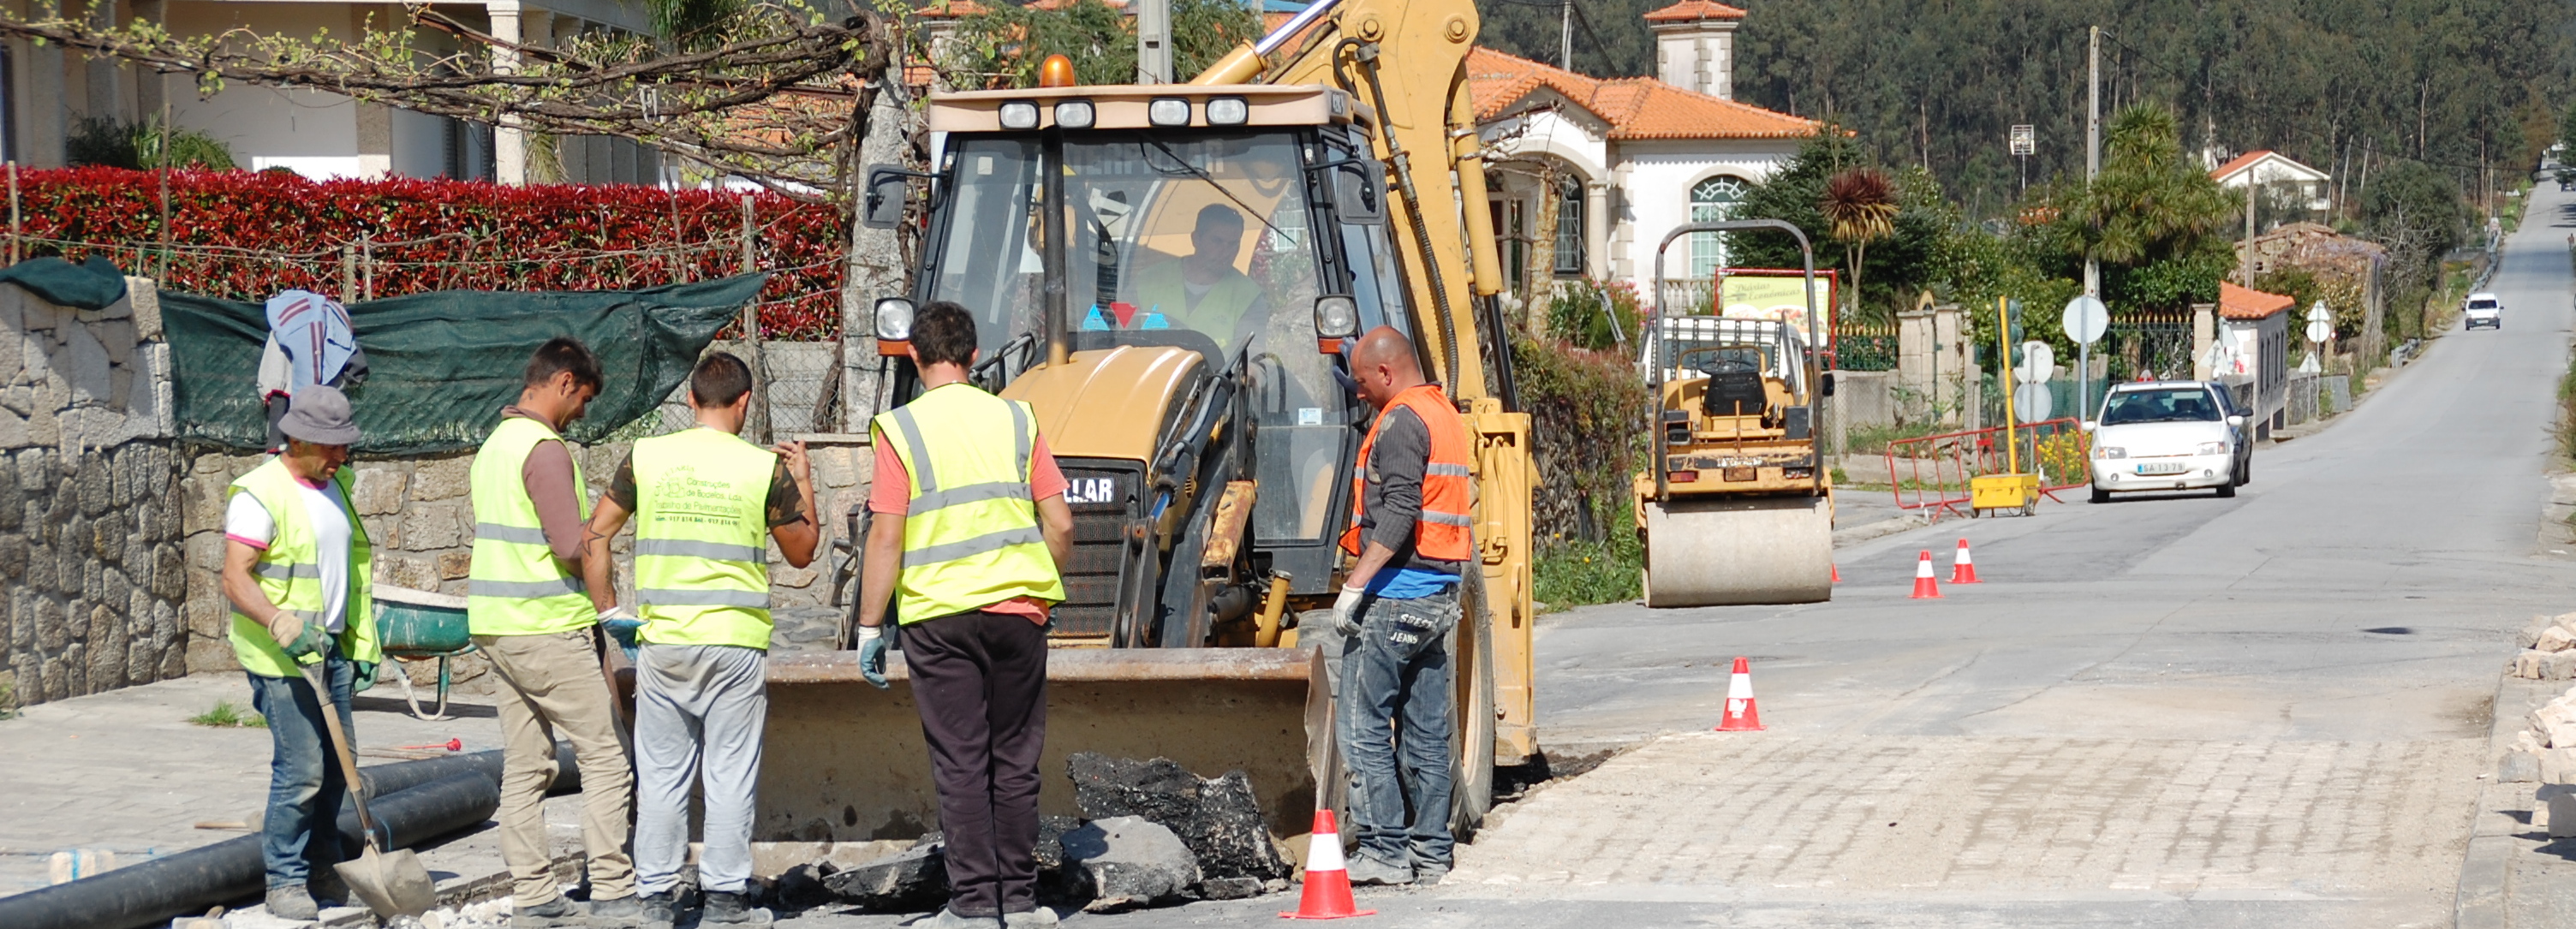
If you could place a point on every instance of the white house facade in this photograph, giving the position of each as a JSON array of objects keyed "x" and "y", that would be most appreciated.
[
  {"x": 1626, "y": 160},
  {"x": 49, "y": 91}
]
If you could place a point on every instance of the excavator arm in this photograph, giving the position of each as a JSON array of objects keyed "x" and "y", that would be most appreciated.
[{"x": 1407, "y": 60}]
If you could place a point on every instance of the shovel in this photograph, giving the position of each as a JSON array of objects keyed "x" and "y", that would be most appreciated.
[{"x": 390, "y": 883}]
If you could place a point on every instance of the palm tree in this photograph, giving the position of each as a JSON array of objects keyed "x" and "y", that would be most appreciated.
[{"x": 1860, "y": 207}]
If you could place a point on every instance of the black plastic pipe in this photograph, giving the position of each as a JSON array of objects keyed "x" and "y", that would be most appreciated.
[{"x": 415, "y": 800}]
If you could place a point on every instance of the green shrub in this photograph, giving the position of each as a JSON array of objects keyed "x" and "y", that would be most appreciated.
[
  {"x": 101, "y": 140},
  {"x": 1577, "y": 573},
  {"x": 1586, "y": 430},
  {"x": 1575, "y": 315}
]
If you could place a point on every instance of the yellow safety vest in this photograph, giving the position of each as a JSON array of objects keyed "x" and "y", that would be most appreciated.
[
  {"x": 970, "y": 535},
  {"x": 290, "y": 574},
  {"x": 702, "y": 539},
  {"x": 516, "y": 586}
]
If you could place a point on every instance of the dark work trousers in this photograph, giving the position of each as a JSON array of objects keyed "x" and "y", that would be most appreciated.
[{"x": 980, "y": 682}]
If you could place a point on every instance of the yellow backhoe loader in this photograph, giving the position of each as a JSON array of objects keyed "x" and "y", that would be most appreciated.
[
  {"x": 1736, "y": 506},
  {"x": 1167, "y": 273}
]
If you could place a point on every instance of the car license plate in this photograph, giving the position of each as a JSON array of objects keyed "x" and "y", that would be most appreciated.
[{"x": 2174, "y": 467}]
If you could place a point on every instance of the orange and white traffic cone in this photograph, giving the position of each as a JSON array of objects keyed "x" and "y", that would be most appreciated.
[
  {"x": 1740, "y": 714},
  {"x": 1925, "y": 588},
  {"x": 1963, "y": 570},
  {"x": 1328, "y": 883}
]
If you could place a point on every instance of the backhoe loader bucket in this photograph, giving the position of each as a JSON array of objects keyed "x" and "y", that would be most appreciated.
[{"x": 844, "y": 761}]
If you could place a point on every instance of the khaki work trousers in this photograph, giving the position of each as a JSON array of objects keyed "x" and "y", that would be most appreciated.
[{"x": 553, "y": 682}]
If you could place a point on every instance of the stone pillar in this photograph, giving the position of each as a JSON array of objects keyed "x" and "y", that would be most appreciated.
[
  {"x": 876, "y": 266},
  {"x": 103, "y": 94},
  {"x": 509, "y": 144},
  {"x": 46, "y": 118},
  {"x": 1916, "y": 342},
  {"x": 2204, "y": 333},
  {"x": 1949, "y": 362},
  {"x": 1596, "y": 229}
]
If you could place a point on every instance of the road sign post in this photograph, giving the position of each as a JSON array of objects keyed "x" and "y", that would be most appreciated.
[{"x": 2086, "y": 320}]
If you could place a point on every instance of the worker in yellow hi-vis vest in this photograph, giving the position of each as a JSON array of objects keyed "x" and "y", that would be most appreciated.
[
  {"x": 525, "y": 605},
  {"x": 296, "y": 568},
  {"x": 970, "y": 526},
  {"x": 705, "y": 505}
]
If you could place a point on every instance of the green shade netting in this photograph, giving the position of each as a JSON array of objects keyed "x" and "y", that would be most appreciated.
[{"x": 441, "y": 365}]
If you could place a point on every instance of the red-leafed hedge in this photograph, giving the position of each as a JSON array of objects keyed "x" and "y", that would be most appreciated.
[{"x": 245, "y": 235}]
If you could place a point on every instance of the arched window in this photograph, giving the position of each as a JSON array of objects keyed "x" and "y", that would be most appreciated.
[
  {"x": 1712, "y": 200},
  {"x": 1570, "y": 234}
]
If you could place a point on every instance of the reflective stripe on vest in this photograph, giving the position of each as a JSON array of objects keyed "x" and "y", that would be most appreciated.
[
  {"x": 1441, "y": 534},
  {"x": 515, "y": 585},
  {"x": 970, "y": 532},
  {"x": 702, "y": 539},
  {"x": 290, "y": 574}
]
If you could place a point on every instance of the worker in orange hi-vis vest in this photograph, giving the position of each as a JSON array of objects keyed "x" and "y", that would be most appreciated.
[{"x": 1409, "y": 534}]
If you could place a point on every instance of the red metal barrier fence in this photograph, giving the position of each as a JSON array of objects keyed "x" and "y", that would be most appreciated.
[{"x": 1931, "y": 473}]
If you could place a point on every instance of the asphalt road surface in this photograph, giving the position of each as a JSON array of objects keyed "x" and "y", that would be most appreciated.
[{"x": 2168, "y": 710}]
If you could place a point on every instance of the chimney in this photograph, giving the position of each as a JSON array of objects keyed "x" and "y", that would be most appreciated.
[{"x": 1695, "y": 46}]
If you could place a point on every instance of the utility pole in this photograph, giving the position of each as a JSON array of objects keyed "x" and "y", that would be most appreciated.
[
  {"x": 2253, "y": 178},
  {"x": 1153, "y": 41},
  {"x": 1565, "y": 38},
  {"x": 2093, "y": 144}
]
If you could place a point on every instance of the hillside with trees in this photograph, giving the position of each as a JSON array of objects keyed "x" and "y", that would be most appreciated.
[{"x": 2471, "y": 88}]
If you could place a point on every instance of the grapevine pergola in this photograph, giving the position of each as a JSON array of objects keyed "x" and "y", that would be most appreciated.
[{"x": 776, "y": 97}]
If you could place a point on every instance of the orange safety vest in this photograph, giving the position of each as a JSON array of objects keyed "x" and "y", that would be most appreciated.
[{"x": 1442, "y": 532}]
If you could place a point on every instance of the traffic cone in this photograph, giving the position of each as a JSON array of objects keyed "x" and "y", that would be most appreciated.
[
  {"x": 1328, "y": 883},
  {"x": 1925, "y": 588},
  {"x": 1740, "y": 714},
  {"x": 1838, "y": 574},
  {"x": 1963, "y": 570}
]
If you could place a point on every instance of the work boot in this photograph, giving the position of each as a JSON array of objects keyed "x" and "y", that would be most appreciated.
[
  {"x": 1040, "y": 918},
  {"x": 659, "y": 911},
  {"x": 618, "y": 912},
  {"x": 559, "y": 911},
  {"x": 724, "y": 909},
  {"x": 1366, "y": 870},
  {"x": 329, "y": 890},
  {"x": 948, "y": 919},
  {"x": 1430, "y": 873},
  {"x": 292, "y": 902}
]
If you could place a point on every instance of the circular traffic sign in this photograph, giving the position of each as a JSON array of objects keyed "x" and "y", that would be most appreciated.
[
  {"x": 2086, "y": 319},
  {"x": 2038, "y": 363},
  {"x": 2031, "y": 402}
]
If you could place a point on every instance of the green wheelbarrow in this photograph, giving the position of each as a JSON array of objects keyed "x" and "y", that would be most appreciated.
[{"x": 417, "y": 625}]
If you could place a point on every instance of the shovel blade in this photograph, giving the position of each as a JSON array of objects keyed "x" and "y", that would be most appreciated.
[{"x": 392, "y": 884}]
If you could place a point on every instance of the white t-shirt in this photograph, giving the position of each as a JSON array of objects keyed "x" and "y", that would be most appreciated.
[{"x": 245, "y": 519}]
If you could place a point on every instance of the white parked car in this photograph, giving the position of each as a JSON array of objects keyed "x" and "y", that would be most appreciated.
[
  {"x": 2483, "y": 310},
  {"x": 2170, "y": 435}
]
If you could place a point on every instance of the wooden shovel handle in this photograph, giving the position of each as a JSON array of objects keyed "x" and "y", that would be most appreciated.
[{"x": 340, "y": 747}]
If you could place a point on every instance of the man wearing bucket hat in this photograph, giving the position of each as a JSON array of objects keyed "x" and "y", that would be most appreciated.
[{"x": 296, "y": 568}]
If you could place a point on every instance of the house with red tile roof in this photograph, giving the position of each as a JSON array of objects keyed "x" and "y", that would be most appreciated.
[
  {"x": 1625, "y": 159},
  {"x": 2288, "y": 182}
]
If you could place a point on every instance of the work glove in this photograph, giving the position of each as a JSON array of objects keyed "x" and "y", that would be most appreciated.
[
  {"x": 621, "y": 625},
  {"x": 365, "y": 677},
  {"x": 1346, "y": 611},
  {"x": 296, "y": 637},
  {"x": 872, "y": 655}
]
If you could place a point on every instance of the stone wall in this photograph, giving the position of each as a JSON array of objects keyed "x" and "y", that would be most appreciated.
[
  {"x": 90, "y": 513},
  {"x": 111, "y": 534}
]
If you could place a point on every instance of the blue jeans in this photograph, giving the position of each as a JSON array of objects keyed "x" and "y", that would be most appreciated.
[
  {"x": 301, "y": 834},
  {"x": 1394, "y": 710}
]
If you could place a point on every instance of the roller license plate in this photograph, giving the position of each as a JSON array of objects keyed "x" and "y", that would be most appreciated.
[{"x": 2172, "y": 467}]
